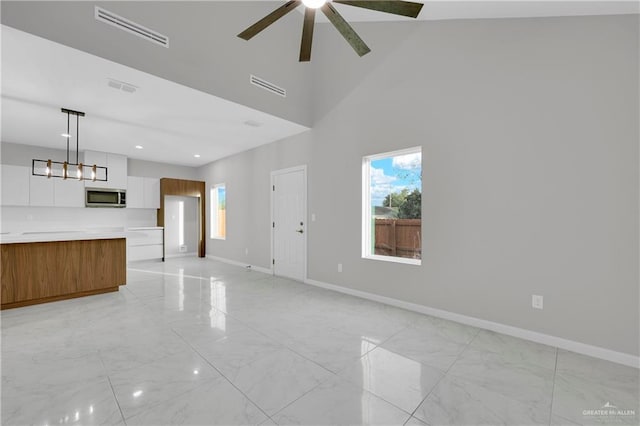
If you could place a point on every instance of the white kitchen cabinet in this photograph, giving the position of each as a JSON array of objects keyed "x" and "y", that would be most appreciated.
[
  {"x": 151, "y": 193},
  {"x": 68, "y": 193},
  {"x": 41, "y": 191},
  {"x": 117, "y": 165},
  {"x": 145, "y": 243},
  {"x": 143, "y": 193},
  {"x": 116, "y": 169},
  {"x": 15, "y": 185},
  {"x": 99, "y": 159},
  {"x": 135, "y": 192}
]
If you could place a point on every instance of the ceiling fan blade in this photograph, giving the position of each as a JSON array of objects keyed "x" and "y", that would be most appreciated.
[
  {"x": 307, "y": 34},
  {"x": 396, "y": 7},
  {"x": 345, "y": 29},
  {"x": 269, "y": 19}
]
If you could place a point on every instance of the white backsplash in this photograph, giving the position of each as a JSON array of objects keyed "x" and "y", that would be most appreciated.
[{"x": 28, "y": 219}]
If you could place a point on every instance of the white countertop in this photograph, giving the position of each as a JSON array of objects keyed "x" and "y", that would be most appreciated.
[
  {"x": 145, "y": 228},
  {"x": 47, "y": 236}
]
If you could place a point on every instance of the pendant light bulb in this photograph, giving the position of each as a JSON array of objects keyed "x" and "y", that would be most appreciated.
[
  {"x": 48, "y": 170},
  {"x": 65, "y": 166},
  {"x": 314, "y": 4},
  {"x": 93, "y": 173},
  {"x": 79, "y": 172}
]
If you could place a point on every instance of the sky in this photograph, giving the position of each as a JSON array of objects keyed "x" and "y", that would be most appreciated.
[
  {"x": 392, "y": 174},
  {"x": 222, "y": 197}
]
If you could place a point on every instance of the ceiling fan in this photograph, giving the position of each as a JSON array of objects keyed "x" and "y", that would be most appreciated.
[{"x": 396, "y": 7}]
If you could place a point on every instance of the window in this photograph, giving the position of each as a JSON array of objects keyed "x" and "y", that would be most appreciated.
[
  {"x": 392, "y": 206},
  {"x": 218, "y": 212}
]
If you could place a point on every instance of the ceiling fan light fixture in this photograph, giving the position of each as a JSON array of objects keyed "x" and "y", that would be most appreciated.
[
  {"x": 409, "y": 9},
  {"x": 314, "y": 4}
]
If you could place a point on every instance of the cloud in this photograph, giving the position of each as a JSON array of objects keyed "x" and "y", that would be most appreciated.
[
  {"x": 379, "y": 178},
  {"x": 381, "y": 185},
  {"x": 408, "y": 162}
]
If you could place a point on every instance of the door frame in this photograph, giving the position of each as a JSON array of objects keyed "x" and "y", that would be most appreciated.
[
  {"x": 274, "y": 173},
  {"x": 186, "y": 188}
]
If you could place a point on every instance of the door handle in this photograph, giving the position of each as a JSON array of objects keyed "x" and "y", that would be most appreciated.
[{"x": 300, "y": 231}]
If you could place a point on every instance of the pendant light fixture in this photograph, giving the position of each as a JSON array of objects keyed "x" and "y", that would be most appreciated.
[{"x": 67, "y": 169}]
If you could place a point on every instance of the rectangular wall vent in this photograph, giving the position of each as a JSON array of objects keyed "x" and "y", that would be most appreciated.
[
  {"x": 117, "y": 21},
  {"x": 264, "y": 84}
]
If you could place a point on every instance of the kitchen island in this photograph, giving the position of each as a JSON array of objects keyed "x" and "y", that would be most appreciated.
[{"x": 40, "y": 267}]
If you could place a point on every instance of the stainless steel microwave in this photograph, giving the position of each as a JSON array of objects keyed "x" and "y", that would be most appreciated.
[{"x": 105, "y": 197}]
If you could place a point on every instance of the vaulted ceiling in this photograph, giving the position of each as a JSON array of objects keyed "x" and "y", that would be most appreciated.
[{"x": 195, "y": 96}]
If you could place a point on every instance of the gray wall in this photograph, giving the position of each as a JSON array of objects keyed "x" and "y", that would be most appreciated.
[
  {"x": 529, "y": 131},
  {"x": 247, "y": 179},
  {"x": 204, "y": 52}
]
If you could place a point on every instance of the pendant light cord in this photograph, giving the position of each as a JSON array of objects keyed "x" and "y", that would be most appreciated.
[
  {"x": 77, "y": 138},
  {"x": 68, "y": 135}
]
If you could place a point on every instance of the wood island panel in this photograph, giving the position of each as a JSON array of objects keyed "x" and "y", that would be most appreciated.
[{"x": 41, "y": 272}]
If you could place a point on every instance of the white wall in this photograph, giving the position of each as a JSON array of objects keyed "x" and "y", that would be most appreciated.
[
  {"x": 159, "y": 170},
  {"x": 172, "y": 225},
  {"x": 529, "y": 131},
  {"x": 30, "y": 219}
]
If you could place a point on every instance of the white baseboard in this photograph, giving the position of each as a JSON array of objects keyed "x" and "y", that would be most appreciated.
[
  {"x": 171, "y": 256},
  {"x": 545, "y": 339},
  {"x": 244, "y": 265}
]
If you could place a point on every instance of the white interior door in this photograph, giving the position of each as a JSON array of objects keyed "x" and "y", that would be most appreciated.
[{"x": 289, "y": 222}]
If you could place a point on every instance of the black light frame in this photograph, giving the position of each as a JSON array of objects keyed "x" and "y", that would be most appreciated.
[
  {"x": 84, "y": 167},
  {"x": 93, "y": 169}
]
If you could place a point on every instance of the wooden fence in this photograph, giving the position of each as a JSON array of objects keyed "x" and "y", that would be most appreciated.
[{"x": 398, "y": 237}]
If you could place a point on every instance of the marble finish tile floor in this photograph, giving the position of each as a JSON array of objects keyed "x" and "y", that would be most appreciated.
[{"x": 197, "y": 342}]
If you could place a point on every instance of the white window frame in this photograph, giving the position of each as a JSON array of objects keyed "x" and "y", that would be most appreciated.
[
  {"x": 213, "y": 216},
  {"x": 366, "y": 206}
]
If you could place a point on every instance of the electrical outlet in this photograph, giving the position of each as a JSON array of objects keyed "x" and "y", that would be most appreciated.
[
  {"x": 313, "y": 217},
  {"x": 246, "y": 252},
  {"x": 537, "y": 301},
  {"x": 339, "y": 267}
]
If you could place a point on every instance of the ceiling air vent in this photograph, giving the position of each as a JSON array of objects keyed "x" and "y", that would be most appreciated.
[
  {"x": 121, "y": 85},
  {"x": 264, "y": 84},
  {"x": 117, "y": 21}
]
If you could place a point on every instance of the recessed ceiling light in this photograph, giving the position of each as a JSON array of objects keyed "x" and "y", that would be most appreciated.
[
  {"x": 197, "y": 155},
  {"x": 65, "y": 135},
  {"x": 139, "y": 146}
]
